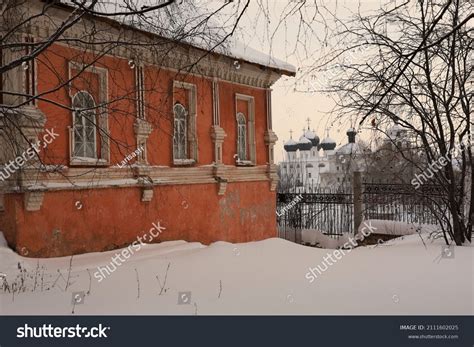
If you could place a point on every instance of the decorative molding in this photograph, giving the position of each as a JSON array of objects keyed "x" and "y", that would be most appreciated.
[
  {"x": 220, "y": 177},
  {"x": 33, "y": 200},
  {"x": 268, "y": 99},
  {"x": 216, "y": 113},
  {"x": 222, "y": 186},
  {"x": 175, "y": 56},
  {"x": 142, "y": 130},
  {"x": 217, "y": 135},
  {"x": 29, "y": 123},
  {"x": 146, "y": 183},
  {"x": 270, "y": 137},
  {"x": 273, "y": 176},
  {"x": 29, "y": 117},
  {"x": 147, "y": 194},
  {"x": 74, "y": 178},
  {"x": 141, "y": 170},
  {"x": 142, "y": 127}
]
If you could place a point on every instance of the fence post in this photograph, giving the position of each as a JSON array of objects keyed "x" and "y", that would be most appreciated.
[{"x": 357, "y": 196}]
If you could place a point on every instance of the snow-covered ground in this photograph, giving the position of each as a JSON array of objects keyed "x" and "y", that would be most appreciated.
[
  {"x": 402, "y": 276},
  {"x": 373, "y": 226}
]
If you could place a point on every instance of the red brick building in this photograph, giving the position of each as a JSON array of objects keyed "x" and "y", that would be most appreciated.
[{"x": 139, "y": 137}]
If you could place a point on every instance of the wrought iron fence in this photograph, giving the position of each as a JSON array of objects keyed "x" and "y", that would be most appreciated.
[
  {"x": 402, "y": 202},
  {"x": 330, "y": 213}
]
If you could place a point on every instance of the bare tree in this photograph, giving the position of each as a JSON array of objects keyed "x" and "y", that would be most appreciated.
[
  {"x": 97, "y": 28},
  {"x": 417, "y": 72}
]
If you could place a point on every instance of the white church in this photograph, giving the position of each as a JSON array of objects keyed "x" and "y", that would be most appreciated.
[{"x": 313, "y": 165}]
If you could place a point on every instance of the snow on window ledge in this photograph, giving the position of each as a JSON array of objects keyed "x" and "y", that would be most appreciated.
[
  {"x": 244, "y": 163},
  {"x": 183, "y": 162},
  {"x": 88, "y": 161}
]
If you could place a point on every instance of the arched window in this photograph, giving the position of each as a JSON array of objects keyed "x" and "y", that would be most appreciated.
[
  {"x": 180, "y": 134},
  {"x": 84, "y": 125},
  {"x": 241, "y": 136}
]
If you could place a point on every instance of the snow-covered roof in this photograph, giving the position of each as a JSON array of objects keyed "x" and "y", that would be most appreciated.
[
  {"x": 304, "y": 144},
  {"x": 309, "y": 134},
  {"x": 192, "y": 27},
  {"x": 328, "y": 144},
  {"x": 238, "y": 50},
  {"x": 291, "y": 145},
  {"x": 348, "y": 148},
  {"x": 303, "y": 139},
  {"x": 328, "y": 140},
  {"x": 312, "y": 136}
]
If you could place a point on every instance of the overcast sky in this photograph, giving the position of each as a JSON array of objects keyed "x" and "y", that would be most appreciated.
[{"x": 291, "y": 108}]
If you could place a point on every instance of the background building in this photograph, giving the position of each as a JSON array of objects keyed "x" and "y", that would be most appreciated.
[{"x": 312, "y": 165}]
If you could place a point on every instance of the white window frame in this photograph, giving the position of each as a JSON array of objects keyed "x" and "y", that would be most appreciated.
[
  {"x": 176, "y": 133},
  {"x": 252, "y": 148},
  {"x": 140, "y": 91},
  {"x": 240, "y": 127},
  {"x": 102, "y": 116},
  {"x": 30, "y": 74},
  {"x": 73, "y": 140},
  {"x": 191, "y": 128}
]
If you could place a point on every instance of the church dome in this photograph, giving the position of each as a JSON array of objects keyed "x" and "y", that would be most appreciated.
[
  {"x": 310, "y": 135},
  {"x": 351, "y": 131},
  {"x": 304, "y": 144},
  {"x": 351, "y": 135},
  {"x": 290, "y": 145},
  {"x": 328, "y": 144}
]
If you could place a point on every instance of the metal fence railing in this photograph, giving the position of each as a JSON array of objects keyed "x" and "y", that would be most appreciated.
[
  {"x": 330, "y": 213},
  {"x": 402, "y": 202}
]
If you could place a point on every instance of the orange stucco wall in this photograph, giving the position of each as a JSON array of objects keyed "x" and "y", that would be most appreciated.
[
  {"x": 111, "y": 218},
  {"x": 114, "y": 217}
]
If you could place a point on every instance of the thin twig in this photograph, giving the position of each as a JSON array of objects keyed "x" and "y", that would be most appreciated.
[
  {"x": 162, "y": 287},
  {"x": 90, "y": 282},
  {"x": 69, "y": 273},
  {"x": 138, "y": 284}
]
